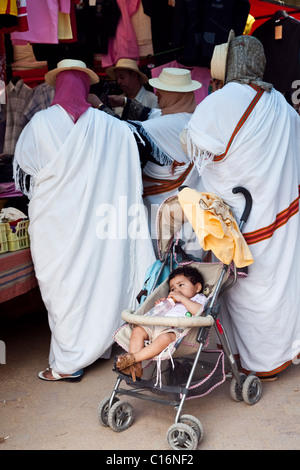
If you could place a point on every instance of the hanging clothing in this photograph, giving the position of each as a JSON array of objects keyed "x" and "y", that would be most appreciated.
[
  {"x": 124, "y": 43},
  {"x": 2, "y": 61},
  {"x": 42, "y": 18},
  {"x": 96, "y": 24},
  {"x": 9, "y": 21},
  {"x": 9, "y": 7},
  {"x": 161, "y": 15},
  {"x": 89, "y": 237},
  {"x": 261, "y": 311},
  {"x": 18, "y": 97},
  {"x": 41, "y": 98},
  {"x": 199, "y": 25},
  {"x": 280, "y": 37}
]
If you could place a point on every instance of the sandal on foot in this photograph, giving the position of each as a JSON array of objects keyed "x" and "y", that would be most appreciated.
[
  {"x": 76, "y": 377},
  {"x": 124, "y": 361},
  {"x": 134, "y": 371}
]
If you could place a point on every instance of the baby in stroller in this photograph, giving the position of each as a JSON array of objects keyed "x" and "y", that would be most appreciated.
[{"x": 146, "y": 342}]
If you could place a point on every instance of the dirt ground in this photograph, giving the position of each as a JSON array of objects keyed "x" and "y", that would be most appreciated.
[{"x": 37, "y": 415}]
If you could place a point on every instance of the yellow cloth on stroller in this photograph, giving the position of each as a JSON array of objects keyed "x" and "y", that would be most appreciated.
[{"x": 215, "y": 227}]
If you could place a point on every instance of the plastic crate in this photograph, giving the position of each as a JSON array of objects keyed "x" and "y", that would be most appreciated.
[
  {"x": 3, "y": 238},
  {"x": 19, "y": 239}
]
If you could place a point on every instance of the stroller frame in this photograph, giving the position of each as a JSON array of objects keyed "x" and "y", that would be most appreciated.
[{"x": 187, "y": 430}]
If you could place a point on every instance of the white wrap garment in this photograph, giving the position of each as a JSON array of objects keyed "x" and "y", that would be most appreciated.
[
  {"x": 88, "y": 230},
  {"x": 264, "y": 308}
]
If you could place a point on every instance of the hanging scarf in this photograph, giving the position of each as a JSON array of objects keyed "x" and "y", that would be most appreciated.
[
  {"x": 72, "y": 89},
  {"x": 171, "y": 102}
]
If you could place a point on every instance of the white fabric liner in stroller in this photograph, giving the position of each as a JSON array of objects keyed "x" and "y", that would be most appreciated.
[{"x": 183, "y": 375}]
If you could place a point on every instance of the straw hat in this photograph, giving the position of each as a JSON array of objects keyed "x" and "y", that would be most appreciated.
[
  {"x": 219, "y": 59},
  {"x": 174, "y": 79},
  {"x": 128, "y": 64},
  {"x": 70, "y": 64}
]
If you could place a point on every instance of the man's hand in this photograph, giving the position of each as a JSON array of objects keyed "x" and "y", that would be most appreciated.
[{"x": 116, "y": 101}]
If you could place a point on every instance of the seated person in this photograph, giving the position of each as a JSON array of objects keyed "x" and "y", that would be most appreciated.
[{"x": 186, "y": 285}]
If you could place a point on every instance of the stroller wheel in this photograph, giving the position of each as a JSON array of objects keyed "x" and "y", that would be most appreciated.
[
  {"x": 120, "y": 416},
  {"x": 181, "y": 436},
  {"x": 103, "y": 410},
  {"x": 236, "y": 391},
  {"x": 252, "y": 390},
  {"x": 194, "y": 423}
]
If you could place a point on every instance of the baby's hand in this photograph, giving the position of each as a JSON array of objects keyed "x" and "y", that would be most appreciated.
[
  {"x": 160, "y": 300},
  {"x": 177, "y": 296}
]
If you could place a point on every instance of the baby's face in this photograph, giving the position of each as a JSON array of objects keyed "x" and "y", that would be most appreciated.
[{"x": 184, "y": 286}]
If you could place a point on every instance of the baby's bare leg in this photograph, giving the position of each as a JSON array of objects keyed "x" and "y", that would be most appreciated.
[
  {"x": 137, "y": 339},
  {"x": 153, "y": 349}
]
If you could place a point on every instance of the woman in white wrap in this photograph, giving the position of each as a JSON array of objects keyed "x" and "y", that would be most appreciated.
[
  {"x": 89, "y": 238},
  {"x": 246, "y": 134},
  {"x": 169, "y": 168},
  {"x": 165, "y": 165}
]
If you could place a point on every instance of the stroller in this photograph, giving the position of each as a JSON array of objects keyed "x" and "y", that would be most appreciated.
[{"x": 189, "y": 369}]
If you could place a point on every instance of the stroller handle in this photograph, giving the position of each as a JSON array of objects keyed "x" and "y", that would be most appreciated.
[{"x": 248, "y": 206}]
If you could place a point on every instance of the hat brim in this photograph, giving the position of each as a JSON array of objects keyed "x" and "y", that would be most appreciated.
[
  {"x": 156, "y": 83},
  {"x": 219, "y": 59},
  {"x": 111, "y": 73},
  {"x": 50, "y": 77}
]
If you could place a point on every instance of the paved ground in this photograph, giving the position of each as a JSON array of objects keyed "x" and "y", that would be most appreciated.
[{"x": 37, "y": 415}]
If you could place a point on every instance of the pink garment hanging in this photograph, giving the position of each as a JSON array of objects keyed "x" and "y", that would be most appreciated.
[
  {"x": 124, "y": 44},
  {"x": 42, "y": 18},
  {"x": 202, "y": 74},
  {"x": 72, "y": 89}
]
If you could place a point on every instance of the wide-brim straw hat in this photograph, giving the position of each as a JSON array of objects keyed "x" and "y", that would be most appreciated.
[
  {"x": 128, "y": 64},
  {"x": 219, "y": 59},
  {"x": 175, "y": 79},
  {"x": 70, "y": 64}
]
